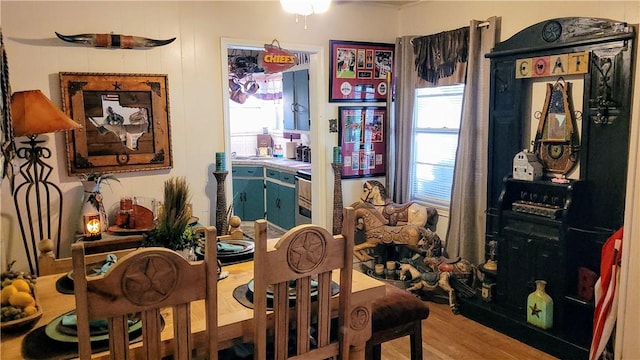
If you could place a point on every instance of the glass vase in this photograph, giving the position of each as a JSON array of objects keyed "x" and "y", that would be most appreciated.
[{"x": 540, "y": 307}]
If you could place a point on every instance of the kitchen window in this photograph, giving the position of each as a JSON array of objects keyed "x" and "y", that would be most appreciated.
[
  {"x": 251, "y": 111},
  {"x": 435, "y": 139}
]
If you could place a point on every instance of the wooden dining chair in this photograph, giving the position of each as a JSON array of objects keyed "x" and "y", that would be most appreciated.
[
  {"x": 48, "y": 264},
  {"x": 142, "y": 283},
  {"x": 306, "y": 254}
]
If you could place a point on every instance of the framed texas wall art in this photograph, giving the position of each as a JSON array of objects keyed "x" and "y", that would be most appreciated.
[
  {"x": 359, "y": 71},
  {"x": 125, "y": 119},
  {"x": 361, "y": 137}
]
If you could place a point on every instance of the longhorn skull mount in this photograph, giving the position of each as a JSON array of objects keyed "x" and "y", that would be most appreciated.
[{"x": 114, "y": 40}]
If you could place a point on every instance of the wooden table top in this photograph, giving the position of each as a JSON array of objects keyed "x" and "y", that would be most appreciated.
[{"x": 235, "y": 321}]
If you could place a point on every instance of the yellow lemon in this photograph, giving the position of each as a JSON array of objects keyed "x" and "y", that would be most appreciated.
[
  {"x": 7, "y": 291},
  {"x": 30, "y": 310},
  {"x": 21, "y": 285},
  {"x": 21, "y": 299}
]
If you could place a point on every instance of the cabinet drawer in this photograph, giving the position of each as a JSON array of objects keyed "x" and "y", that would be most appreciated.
[
  {"x": 274, "y": 174},
  {"x": 531, "y": 229},
  {"x": 247, "y": 171},
  {"x": 287, "y": 178}
]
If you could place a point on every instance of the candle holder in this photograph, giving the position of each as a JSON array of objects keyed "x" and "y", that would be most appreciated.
[
  {"x": 337, "y": 198},
  {"x": 92, "y": 226},
  {"x": 221, "y": 202}
]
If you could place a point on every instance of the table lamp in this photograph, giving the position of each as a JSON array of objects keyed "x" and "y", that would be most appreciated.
[{"x": 32, "y": 114}]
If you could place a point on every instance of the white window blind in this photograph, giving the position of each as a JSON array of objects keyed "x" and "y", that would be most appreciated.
[{"x": 435, "y": 140}]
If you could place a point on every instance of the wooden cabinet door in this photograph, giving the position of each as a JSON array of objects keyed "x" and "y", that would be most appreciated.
[
  {"x": 248, "y": 199},
  {"x": 288, "y": 205},
  {"x": 301, "y": 81},
  {"x": 273, "y": 211},
  {"x": 288, "y": 100},
  {"x": 254, "y": 200},
  {"x": 295, "y": 100}
]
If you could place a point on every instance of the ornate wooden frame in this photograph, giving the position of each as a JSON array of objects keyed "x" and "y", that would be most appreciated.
[{"x": 110, "y": 141}]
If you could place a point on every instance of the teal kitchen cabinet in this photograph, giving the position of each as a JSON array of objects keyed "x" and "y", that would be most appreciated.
[
  {"x": 281, "y": 202},
  {"x": 295, "y": 100},
  {"x": 248, "y": 192}
]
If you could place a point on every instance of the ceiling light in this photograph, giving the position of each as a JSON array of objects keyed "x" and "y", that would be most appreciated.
[{"x": 305, "y": 7}]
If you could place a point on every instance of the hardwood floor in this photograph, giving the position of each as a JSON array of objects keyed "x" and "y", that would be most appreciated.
[{"x": 446, "y": 336}]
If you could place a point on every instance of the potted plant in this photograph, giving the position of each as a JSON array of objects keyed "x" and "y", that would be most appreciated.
[{"x": 172, "y": 230}]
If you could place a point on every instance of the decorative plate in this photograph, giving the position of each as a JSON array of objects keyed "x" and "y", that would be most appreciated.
[
  {"x": 292, "y": 290},
  {"x": 53, "y": 330},
  {"x": 239, "y": 248},
  {"x": 122, "y": 231}
]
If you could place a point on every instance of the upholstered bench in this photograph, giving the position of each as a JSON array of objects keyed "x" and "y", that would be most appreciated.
[{"x": 398, "y": 314}]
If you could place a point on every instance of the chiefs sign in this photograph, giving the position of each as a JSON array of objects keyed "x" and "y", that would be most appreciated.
[{"x": 275, "y": 59}]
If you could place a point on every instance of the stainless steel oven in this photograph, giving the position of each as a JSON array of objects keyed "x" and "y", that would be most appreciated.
[{"x": 303, "y": 197}]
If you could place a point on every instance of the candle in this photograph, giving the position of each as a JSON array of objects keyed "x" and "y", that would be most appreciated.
[
  {"x": 221, "y": 162},
  {"x": 337, "y": 155}
]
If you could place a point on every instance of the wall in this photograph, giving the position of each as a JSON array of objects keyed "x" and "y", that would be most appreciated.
[
  {"x": 435, "y": 16},
  {"x": 193, "y": 65}
]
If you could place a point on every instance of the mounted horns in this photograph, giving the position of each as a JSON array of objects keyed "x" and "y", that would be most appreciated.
[{"x": 114, "y": 40}]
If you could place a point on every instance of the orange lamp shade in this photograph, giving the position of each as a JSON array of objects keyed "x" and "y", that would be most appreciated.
[{"x": 33, "y": 113}]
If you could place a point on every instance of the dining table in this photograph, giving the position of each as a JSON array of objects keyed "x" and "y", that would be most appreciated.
[{"x": 235, "y": 320}]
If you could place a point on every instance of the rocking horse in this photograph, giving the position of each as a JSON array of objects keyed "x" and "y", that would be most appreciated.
[
  {"x": 378, "y": 232},
  {"x": 374, "y": 193}
]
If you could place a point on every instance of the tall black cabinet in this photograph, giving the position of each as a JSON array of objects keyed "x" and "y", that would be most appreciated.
[{"x": 561, "y": 227}]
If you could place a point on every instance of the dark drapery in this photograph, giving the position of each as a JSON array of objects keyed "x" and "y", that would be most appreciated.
[{"x": 442, "y": 55}]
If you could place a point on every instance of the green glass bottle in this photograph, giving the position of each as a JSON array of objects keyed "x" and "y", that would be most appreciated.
[{"x": 540, "y": 307}]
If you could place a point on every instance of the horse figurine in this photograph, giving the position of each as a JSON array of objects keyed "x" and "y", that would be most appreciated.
[
  {"x": 450, "y": 276},
  {"x": 378, "y": 232},
  {"x": 428, "y": 281},
  {"x": 373, "y": 192}
]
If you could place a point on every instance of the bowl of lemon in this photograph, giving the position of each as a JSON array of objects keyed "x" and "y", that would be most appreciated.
[{"x": 20, "y": 311}]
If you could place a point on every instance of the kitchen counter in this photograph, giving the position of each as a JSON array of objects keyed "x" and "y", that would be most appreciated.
[{"x": 272, "y": 162}]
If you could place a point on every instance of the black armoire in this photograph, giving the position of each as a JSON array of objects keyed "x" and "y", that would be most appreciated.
[{"x": 544, "y": 245}]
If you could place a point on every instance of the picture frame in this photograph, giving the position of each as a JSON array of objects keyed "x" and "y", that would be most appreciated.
[
  {"x": 125, "y": 119},
  {"x": 362, "y": 140},
  {"x": 359, "y": 71}
]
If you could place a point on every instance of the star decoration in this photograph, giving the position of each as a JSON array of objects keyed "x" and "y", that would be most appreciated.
[
  {"x": 151, "y": 281},
  {"x": 307, "y": 252},
  {"x": 535, "y": 311},
  {"x": 117, "y": 86}
]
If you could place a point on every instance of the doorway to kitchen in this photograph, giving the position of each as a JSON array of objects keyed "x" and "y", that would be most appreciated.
[{"x": 274, "y": 125}]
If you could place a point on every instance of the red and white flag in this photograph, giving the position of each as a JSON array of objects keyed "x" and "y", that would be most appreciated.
[{"x": 606, "y": 294}]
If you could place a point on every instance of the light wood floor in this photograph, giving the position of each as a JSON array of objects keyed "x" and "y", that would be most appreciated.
[{"x": 446, "y": 336}]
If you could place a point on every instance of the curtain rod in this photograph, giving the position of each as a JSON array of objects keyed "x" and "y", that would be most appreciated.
[{"x": 483, "y": 24}]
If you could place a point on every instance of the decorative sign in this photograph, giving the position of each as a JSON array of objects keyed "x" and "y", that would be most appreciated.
[
  {"x": 553, "y": 65},
  {"x": 359, "y": 71},
  {"x": 361, "y": 138},
  {"x": 276, "y": 59},
  {"x": 125, "y": 120}
]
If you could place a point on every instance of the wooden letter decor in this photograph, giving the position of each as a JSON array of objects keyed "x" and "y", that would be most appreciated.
[
  {"x": 125, "y": 119},
  {"x": 553, "y": 65}
]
